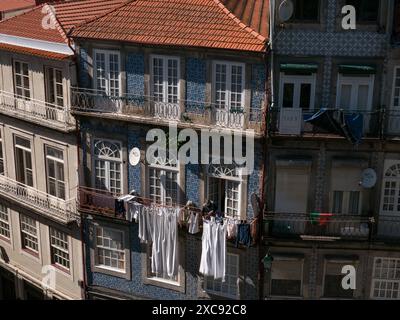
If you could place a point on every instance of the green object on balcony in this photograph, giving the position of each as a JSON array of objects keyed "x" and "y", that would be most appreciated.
[
  {"x": 356, "y": 69},
  {"x": 299, "y": 68},
  {"x": 267, "y": 261}
]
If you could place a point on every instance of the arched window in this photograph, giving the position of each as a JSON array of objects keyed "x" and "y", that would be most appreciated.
[
  {"x": 108, "y": 165},
  {"x": 224, "y": 188},
  {"x": 391, "y": 190}
]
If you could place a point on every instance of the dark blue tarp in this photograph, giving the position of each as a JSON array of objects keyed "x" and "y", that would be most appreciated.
[{"x": 348, "y": 125}]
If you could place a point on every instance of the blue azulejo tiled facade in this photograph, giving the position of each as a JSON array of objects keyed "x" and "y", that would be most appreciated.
[{"x": 135, "y": 282}]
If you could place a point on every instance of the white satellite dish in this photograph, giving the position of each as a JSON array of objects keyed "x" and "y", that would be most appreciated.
[
  {"x": 368, "y": 178},
  {"x": 286, "y": 10},
  {"x": 134, "y": 157}
]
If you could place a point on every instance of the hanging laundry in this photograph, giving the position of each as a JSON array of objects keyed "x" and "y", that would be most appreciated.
[
  {"x": 213, "y": 255},
  {"x": 254, "y": 229},
  {"x": 193, "y": 224},
  {"x": 164, "y": 259},
  {"x": 243, "y": 235},
  {"x": 232, "y": 228},
  {"x": 134, "y": 207},
  {"x": 145, "y": 220}
]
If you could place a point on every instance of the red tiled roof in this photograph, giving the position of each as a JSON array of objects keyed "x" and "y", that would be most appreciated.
[
  {"x": 11, "y": 5},
  {"x": 254, "y": 13},
  {"x": 195, "y": 23},
  {"x": 35, "y": 52},
  {"x": 68, "y": 14}
]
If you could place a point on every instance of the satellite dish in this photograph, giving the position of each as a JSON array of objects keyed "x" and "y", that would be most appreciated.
[
  {"x": 368, "y": 178},
  {"x": 286, "y": 10},
  {"x": 134, "y": 157}
]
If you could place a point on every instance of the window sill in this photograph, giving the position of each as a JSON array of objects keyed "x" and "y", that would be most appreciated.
[
  {"x": 62, "y": 269},
  {"x": 111, "y": 272},
  {"x": 162, "y": 283},
  {"x": 6, "y": 240},
  {"x": 31, "y": 252}
]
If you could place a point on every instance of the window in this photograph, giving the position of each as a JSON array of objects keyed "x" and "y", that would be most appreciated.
[
  {"x": 4, "y": 222},
  {"x": 333, "y": 280},
  {"x": 224, "y": 188},
  {"x": 297, "y": 91},
  {"x": 29, "y": 234},
  {"x": 22, "y": 80},
  {"x": 355, "y": 93},
  {"x": 23, "y": 161},
  {"x": 59, "y": 248},
  {"x": 1, "y": 155},
  {"x": 346, "y": 194},
  {"x": 306, "y": 10},
  {"x": 54, "y": 86},
  {"x": 164, "y": 186},
  {"x": 108, "y": 166},
  {"x": 110, "y": 252},
  {"x": 396, "y": 88},
  {"x": 55, "y": 172},
  {"x": 386, "y": 279},
  {"x": 229, "y": 288},
  {"x": 286, "y": 278},
  {"x": 391, "y": 189},
  {"x": 165, "y": 79},
  {"x": 366, "y": 10},
  {"x": 107, "y": 72},
  {"x": 229, "y": 85},
  {"x": 291, "y": 194}
]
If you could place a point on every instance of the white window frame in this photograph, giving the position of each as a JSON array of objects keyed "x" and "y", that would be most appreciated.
[
  {"x": 297, "y": 81},
  {"x": 396, "y": 70},
  {"x": 22, "y": 87},
  {"x": 56, "y": 179},
  {"x": 24, "y": 233},
  {"x": 389, "y": 164},
  {"x": 107, "y": 161},
  {"x": 165, "y": 59},
  {"x": 355, "y": 82},
  {"x": 25, "y": 150},
  {"x": 5, "y": 225},
  {"x": 107, "y": 79},
  {"x": 53, "y": 86},
  {"x": 96, "y": 252},
  {"x": 228, "y": 92},
  {"x": 393, "y": 281},
  {"x": 56, "y": 249},
  {"x": 163, "y": 168},
  {"x": 220, "y": 293}
]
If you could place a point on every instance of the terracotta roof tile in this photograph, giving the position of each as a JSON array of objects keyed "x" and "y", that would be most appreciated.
[
  {"x": 35, "y": 52},
  {"x": 10, "y": 5},
  {"x": 198, "y": 23},
  {"x": 68, "y": 14}
]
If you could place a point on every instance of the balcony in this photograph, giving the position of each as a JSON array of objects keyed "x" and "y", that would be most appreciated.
[
  {"x": 97, "y": 201},
  {"x": 291, "y": 122},
  {"x": 39, "y": 112},
  {"x": 323, "y": 228},
  {"x": 52, "y": 207},
  {"x": 147, "y": 109}
]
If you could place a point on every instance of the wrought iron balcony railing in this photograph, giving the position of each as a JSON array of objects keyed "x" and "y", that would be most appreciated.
[
  {"x": 46, "y": 204},
  {"x": 97, "y": 201},
  {"x": 151, "y": 109},
  {"x": 388, "y": 228},
  {"x": 291, "y": 121},
  {"x": 40, "y": 112},
  {"x": 323, "y": 227}
]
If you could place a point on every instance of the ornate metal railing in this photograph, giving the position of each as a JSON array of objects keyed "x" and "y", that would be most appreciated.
[
  {"x": 46, "y": 204},
  {"x": 36, "y": 110},
  {"x": 293, "y": 225},
  {"x": 97, "y": 101}
]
